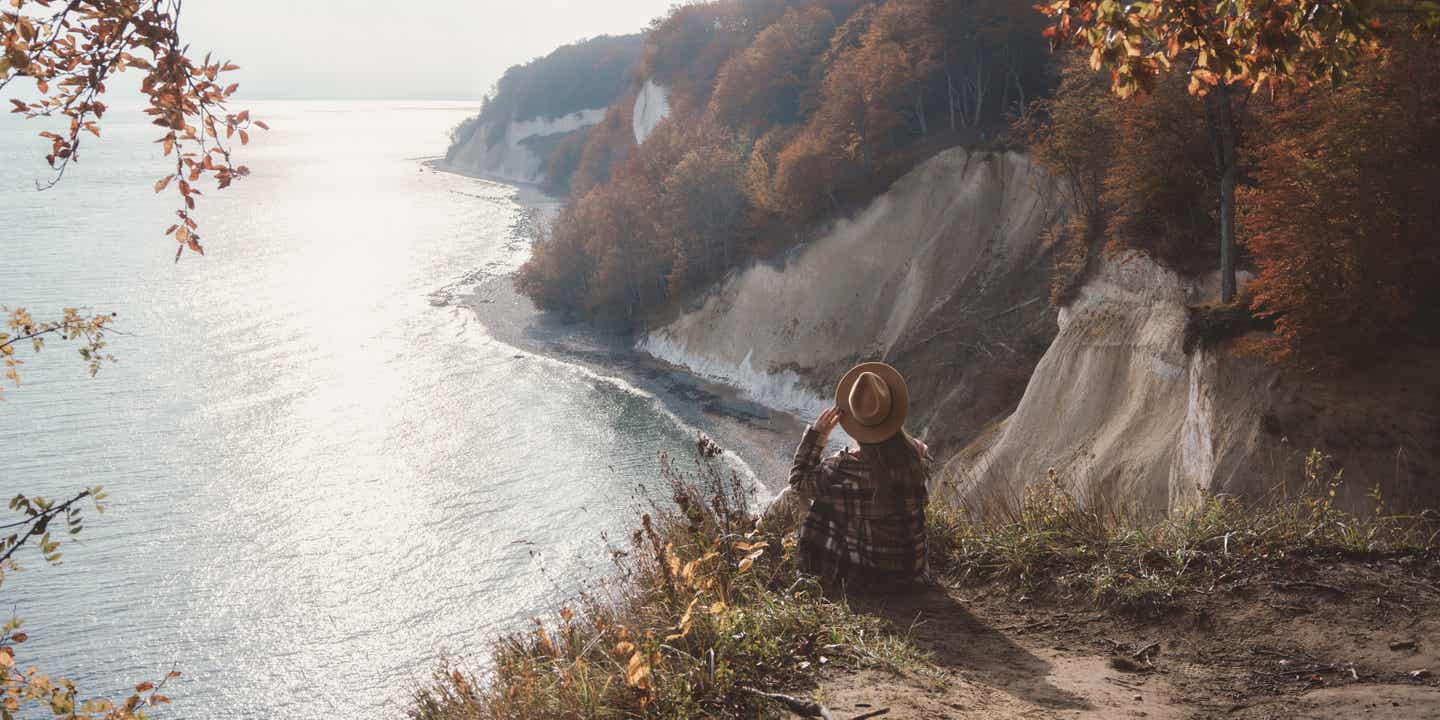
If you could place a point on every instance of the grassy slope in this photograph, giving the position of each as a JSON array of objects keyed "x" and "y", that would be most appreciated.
[{"x": 708, "y": 609}]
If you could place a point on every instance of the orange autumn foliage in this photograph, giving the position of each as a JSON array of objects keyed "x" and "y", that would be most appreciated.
[
  {"x": 1342, "y": 222},
  {"x": 67, "y": 51},
  {"x": 1160, "y": 187},
  {"x": 783, "y": 113}
]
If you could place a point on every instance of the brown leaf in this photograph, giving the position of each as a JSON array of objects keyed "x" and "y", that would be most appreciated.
[{"x": 637, "y": 672}]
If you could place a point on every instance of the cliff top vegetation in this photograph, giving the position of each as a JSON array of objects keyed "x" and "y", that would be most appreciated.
[{"x": 709, "y": 617}]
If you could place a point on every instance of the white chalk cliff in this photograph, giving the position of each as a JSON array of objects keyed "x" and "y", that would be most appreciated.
[
  {"x": 948, "y": 227},
  {"x": 1117, "y": 407},
  {"x": 511, "y": 158},
  {"x": 652, "y": 105}
]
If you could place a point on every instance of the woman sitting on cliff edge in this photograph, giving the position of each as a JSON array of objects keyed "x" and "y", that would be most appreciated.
[{"x": 865, "y": 526}]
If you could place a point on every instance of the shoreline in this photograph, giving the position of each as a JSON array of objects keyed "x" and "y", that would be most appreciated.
[{"x": 761, "y": 437}]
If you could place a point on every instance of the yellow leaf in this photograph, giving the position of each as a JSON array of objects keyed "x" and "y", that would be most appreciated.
[{"x": 637, "y": 672}]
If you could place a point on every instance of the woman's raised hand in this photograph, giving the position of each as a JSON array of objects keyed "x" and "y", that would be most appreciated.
[{"x": 826, "y": 422}]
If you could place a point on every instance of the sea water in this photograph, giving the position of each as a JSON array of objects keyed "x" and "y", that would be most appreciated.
[{"x": 323, "y": 476}]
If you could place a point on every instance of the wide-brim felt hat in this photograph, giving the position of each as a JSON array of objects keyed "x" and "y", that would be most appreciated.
[{"x": 873, "y": 400}]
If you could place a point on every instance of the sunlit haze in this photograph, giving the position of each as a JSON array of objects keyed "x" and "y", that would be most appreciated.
[{"x": 441, "y": 49}]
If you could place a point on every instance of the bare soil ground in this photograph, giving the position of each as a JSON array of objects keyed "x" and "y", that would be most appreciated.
[{"x": 1321, "y": 642}]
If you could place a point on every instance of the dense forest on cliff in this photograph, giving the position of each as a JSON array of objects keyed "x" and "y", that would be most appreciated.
[
  {"x": 1336, "y": 196},
  {"x": 782, "y": 113},
  {"x": 789, "y": 113}
]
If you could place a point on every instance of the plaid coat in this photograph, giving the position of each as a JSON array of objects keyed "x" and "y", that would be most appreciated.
[{"x": 857, "y": 532}]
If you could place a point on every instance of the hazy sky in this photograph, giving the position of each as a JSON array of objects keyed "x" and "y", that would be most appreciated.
[{"x": 443, "y": 49}]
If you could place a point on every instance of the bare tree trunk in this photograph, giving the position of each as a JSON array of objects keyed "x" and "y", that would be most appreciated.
[
  {"x": 950, "y": 96},
  {"x": 1013, "y": 66},
  {"x": 1005, "y": 82},
  {"x": 1220, "y": 117},
  {"x": 949, "y": 87},
  {"x": 965, "y": 95},
  {"x": 979, "y": 87},
  {"x": 920, "y": 112}
]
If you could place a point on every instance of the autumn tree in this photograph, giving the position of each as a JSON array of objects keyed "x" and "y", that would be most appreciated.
[
  {"x": 1160, "y": 188},
  {"x": 1341, "y": 221},
  {"x": 55, "y": 61},
  {"x": 988, "y": 47},
  {"x": 874, "y": 83},
  {"x": 898, "y": 54},
  {"x": 763, "y": 84},
  {"x": 687, "y": 47},
  {"x": 1225, "y": 48},
  {"x": 606, "y": 146},
  {"x": 704, "y": 201},
  {"x": 758, "y": 182},
  {"x": 1071, "y": 135}
]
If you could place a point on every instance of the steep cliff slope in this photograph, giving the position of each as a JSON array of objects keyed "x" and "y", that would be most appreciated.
[
  {"x": 1117, "y": 407},
  {"x": 944, "y": 275},
  {"x": 652, "y": 105},
  {"x": 518, "y": 149},
  {"x": 1125, "y": 417}
]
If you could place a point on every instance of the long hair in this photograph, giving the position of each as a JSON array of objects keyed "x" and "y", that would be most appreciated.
[{"x": 895, "y": 461}]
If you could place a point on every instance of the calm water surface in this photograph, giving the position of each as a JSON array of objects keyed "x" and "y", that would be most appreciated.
[{"x": 323, "y": 478}]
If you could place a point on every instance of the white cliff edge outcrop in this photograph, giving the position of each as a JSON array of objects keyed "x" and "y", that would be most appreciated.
[
  {"x": 511, "y": 158},
  {"x": 1118, "y": 409},
  {"x": 652, "y": 104}
]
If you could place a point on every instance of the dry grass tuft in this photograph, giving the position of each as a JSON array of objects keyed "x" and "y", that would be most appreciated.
[{"x": 1054, "y": 544}]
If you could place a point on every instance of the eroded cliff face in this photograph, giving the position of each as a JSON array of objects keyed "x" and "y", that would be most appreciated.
[
  {"x": 1118, "y": 409},
  {"x": 652, "y": 104},
  {"x": 519, "y": 153},
  {"x": 1126, "y": 418},
  {"x": 945, "y": 275}
]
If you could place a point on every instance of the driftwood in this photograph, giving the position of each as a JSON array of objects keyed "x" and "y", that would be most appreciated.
[
  {"x": 809, "y": 708},
  {"x": 803, "y": 708}
]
